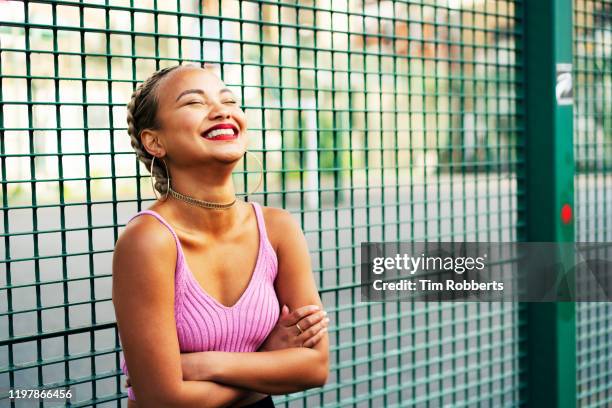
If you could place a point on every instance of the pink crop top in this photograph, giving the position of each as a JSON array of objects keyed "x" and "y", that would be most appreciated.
[{"x": 204, "y": 324}]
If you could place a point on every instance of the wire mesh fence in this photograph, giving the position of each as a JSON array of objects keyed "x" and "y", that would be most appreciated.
[
  {"x": 375, "y": 120},
  {"x": 593, "y": 155}
]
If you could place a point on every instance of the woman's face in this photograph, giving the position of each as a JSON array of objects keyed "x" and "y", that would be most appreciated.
[{"x": 192, "y": 103}]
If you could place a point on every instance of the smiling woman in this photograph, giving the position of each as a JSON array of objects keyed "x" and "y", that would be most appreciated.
[{"x": 215, "y": 300}]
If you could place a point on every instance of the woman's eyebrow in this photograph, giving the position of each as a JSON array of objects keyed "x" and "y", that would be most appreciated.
[{"x": 200, "y": 92}]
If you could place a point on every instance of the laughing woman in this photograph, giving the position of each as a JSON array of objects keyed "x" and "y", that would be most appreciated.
[{"x": 214, "y": 297}]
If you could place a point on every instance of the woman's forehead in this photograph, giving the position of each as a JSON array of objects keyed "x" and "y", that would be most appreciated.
[{"x": 186, "y": 78}]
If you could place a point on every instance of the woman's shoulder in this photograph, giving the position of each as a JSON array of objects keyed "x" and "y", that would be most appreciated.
[
  {"x": 146, "y": 234},
  {"x": 275, "y": 216},
  {"x": 144, "y": 253},
  {"x": 148, "y": 221},
  {"x": 278, "y": 221}
]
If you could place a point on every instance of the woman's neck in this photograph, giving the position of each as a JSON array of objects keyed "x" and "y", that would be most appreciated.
[
  {"x": 197, "y": 220},
  {"x": 211, "y": 186}
]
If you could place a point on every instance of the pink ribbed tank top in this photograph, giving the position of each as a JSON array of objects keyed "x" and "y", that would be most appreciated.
[{"x": 205, "y": 324}]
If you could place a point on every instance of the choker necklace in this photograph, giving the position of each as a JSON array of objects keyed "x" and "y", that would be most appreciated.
[{"x": 201, "y": 203}]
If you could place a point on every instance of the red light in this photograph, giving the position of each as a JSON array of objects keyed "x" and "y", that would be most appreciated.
[{"x": 566, "y": 213}]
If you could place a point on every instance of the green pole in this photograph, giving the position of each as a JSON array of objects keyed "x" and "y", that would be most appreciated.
[{"x": 547, "y": 180}]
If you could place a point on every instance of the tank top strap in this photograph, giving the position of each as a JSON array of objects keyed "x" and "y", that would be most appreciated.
[
  {"x": 264, "y": 242},
  {"x": 261, "y": 225}
]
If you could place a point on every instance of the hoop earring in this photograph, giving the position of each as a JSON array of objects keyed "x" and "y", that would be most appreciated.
[
  {"x": 260, "y": 175},
  {"x": 168, "y": 178}
]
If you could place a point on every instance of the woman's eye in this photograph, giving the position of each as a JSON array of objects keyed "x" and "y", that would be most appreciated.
[
  {"x": 230, "y": 102},
  {"x": 193, "y": 102}
]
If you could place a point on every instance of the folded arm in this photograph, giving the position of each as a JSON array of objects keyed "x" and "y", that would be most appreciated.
[{"x": 268, "y": 372}]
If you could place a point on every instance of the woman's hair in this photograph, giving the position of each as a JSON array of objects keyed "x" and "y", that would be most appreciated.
[{"x": 142, "y": 114}]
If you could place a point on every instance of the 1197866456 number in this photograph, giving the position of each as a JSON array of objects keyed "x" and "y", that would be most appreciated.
[{"x": 40, "y": 394}]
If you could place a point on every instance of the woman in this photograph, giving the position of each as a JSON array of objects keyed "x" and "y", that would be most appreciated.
[{"x": 198, "y": 284}]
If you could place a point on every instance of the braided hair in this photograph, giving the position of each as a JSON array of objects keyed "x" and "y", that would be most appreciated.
[{"x": 142, "y": 114}]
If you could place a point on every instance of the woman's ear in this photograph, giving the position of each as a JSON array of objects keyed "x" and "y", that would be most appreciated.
[{"x": 152, "y": 142}]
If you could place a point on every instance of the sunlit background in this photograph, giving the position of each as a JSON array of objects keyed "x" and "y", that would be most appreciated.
[{"x": 375, "y": 120}]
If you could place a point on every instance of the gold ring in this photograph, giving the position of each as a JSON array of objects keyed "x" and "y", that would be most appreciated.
[{"x": 299, "y": 328}]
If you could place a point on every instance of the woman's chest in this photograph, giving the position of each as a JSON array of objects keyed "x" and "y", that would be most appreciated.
[
  {"x": 204, "y": 324},
  {"x": 223, "y": 270}
]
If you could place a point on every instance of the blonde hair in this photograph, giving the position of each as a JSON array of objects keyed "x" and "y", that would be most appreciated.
[{"x": 142, "y": 114}]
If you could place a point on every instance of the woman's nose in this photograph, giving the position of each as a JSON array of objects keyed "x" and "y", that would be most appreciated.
[{"x": 219, "y": 110}]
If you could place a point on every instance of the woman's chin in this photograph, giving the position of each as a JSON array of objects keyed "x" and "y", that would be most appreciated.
[
  {"x": 228, "y": 151},
  {"x": 229, "y": 156},
  {"x": 237, "y": 146}
]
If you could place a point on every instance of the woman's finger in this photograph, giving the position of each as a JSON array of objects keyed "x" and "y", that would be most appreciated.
[
  {"x": 299, "y": 313},
  {"x": 309, "y": 321},
  {"x": 311, "y": 342},
  {"x": 312, "y": 331}
]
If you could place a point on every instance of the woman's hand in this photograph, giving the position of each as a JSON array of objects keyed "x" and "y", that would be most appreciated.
[{"x": 304, "y": 327}]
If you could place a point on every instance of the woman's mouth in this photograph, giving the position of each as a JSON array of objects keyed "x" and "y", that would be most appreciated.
[{"x": 221, "y": 132}]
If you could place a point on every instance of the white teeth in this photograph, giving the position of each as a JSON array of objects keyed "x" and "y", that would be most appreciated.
[{"x": 218, "y": 132}]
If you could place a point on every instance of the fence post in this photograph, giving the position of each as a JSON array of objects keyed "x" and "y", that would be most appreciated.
[{"x": 547, "y": 181}]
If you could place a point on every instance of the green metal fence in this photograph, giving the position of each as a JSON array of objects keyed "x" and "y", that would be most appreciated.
[
  {"x": 593, "y": 155},
  {"x": 375, "y": 120}
]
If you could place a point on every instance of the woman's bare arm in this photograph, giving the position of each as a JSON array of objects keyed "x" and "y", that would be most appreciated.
[
  {"x": 143, "y": 296},
  {"x": 279, "y": 371},
  {"x": 268, "y": 372}
]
